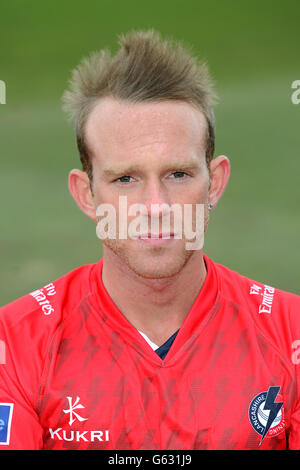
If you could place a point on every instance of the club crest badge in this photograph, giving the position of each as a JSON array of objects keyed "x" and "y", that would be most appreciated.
[{"x": 266, "y": 413}]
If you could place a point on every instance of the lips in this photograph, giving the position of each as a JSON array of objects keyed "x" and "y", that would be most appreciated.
[
  {"x": 156, "y": 236},
  {"x": 156, "y": 239}
]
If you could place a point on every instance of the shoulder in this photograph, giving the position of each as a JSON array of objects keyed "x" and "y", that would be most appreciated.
[
  {"x": 273, "y": 311},
  {"x": 257, "y": 293},
  {"x": 39, "y": 312},
  {"x": 29, "y": 326}
]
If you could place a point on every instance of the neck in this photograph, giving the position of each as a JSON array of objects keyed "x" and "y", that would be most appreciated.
[{"x": 157, "y": 307}]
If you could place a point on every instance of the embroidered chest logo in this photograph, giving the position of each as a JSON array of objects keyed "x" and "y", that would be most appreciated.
[
  {"x": 81, "y": 435},
  {"x": 73, "y": 407},
  {"x": 267, "y": 415}
]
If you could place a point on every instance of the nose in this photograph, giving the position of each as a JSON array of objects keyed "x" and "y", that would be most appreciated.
[{"x": 156, "y": 199}]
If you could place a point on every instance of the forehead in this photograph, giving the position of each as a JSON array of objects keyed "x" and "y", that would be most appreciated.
[{"x": 117, "y": 127}]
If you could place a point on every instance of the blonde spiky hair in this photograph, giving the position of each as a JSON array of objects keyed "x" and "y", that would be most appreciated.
[{"x": 145, "y": 68}]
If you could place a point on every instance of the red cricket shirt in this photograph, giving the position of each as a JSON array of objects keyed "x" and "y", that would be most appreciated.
[{"x": 75, "y": 374}]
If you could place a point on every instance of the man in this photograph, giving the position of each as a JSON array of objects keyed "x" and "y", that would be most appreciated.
[{"x": 155, "y": 346}]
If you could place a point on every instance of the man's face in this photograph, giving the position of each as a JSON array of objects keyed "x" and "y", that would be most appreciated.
[{"x": 154, "y": 154}]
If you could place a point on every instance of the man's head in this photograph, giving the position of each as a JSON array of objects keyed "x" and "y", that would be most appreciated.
[
  {"x": 145, "y": 69},
  {"x": 142, "y": 117}
]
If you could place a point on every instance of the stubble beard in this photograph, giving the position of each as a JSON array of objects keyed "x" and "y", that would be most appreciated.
[{"x": 152, "y": 262}]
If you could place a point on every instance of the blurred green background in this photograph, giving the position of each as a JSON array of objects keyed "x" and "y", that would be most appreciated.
[{"x": 253, "y": 51}]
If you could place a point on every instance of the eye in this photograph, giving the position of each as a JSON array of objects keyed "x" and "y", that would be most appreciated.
[
  {"x": 124, "y": 179},
  {"x": 179, "y": 174}
]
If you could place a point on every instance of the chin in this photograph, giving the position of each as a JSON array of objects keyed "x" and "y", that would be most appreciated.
[
  {"x": 159, "y": 267},
  {"x": 154, "y": 263}
]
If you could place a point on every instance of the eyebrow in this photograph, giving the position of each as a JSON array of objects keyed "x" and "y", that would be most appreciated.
[
  {"x": 176, "y": 166},
  {"x": 116, "y": 171}
]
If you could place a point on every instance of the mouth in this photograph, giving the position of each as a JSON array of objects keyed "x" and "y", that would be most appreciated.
[
  {"x": 157, "y": 235},
  {"x": 156, "y": 238}
]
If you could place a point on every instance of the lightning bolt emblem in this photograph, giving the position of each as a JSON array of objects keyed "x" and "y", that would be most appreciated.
[{"x": 271, "y": 406}]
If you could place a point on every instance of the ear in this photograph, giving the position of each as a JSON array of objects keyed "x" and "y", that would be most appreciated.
[
  {"x": 80, "y": 189},
  {"x": 219, "y": 176}
]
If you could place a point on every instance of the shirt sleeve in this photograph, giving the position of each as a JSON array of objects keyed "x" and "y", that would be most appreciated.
[
  {"x": 294, "y": 431},
  {"x": 20, "y": 369}
]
